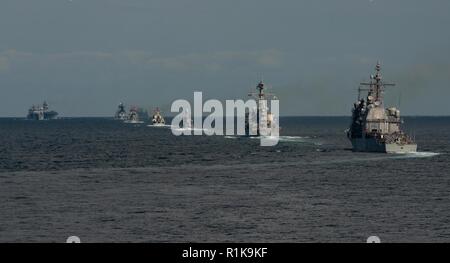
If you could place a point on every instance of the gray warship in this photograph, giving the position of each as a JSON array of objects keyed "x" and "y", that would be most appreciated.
[
  {"x": 135, "y": 115},
  {"x": 375, "y": 128},
  {"x": 252, "y": 128},
  {"x": 158, "y": 119},
  {"x": 121, "y": 113},
  {"x": 39, "y": 113}
]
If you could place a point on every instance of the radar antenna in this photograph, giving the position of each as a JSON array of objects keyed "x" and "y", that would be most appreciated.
[{"x": 376, "y": 85}]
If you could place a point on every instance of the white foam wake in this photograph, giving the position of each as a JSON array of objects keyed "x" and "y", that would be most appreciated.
[
  {"x": 291, "y": 139},
  {"x": 159, "y": 126},
  {"x": 186, "y": 129},
  {"x": 419, "y": 155},
  {"x": 294, "y": 139}
]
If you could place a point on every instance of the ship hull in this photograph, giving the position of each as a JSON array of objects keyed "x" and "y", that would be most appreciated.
[
  {"x": 52, "y": 115},
  {"x": 372, "y": 145},
  {"x": 42, "y": 117}
]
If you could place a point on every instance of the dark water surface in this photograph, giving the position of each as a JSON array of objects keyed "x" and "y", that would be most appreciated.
[{"x": 103, "y": 180}]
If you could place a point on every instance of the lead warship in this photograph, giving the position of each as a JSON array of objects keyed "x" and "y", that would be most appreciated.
[
  {"x": 41, "y": 113},
  {"x": 375, "y": 128},
  {"x": 260, "y": 114}
]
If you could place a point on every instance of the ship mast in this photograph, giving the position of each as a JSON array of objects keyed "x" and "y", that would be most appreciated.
[
  {"x": 376, "y": 86},
  {"x": 261, "y": 94},
  {"x": 260, "y": 88}
]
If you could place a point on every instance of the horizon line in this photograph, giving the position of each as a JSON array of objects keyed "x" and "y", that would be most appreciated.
[{"x": 281, "y": 116}]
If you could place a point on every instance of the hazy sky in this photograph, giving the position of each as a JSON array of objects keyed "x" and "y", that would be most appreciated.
[{"x": 85, "y": 56}]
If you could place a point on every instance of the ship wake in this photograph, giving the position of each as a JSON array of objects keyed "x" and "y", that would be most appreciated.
[
  {"x": 418, "y": 155},
  {"x": 291, "y": 139},
  {"x": 159, "y": 126}
]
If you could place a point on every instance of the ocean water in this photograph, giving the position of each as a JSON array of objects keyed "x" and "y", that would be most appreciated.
[{"x": 105, "y": 181}]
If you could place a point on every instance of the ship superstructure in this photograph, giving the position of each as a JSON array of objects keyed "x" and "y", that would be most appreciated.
[
  {"x": 375, "y": 128},
  {"x": 38, "y": 112},
  {"x": 158, "y": 119},
  {"x": 121, "y": 113},
  {"x": 186, "y": 122},
  {"x": 134, "y": 116},
  {"x": 260, "y": 114}
]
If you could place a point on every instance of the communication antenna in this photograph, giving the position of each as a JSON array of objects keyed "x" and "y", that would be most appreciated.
[{"x": 376, "y": 85}]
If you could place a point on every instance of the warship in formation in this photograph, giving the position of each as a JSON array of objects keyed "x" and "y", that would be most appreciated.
[
  {"x": 158, "y": 119},
  {"x": 134, "y": 116},
  {"x": 252, "y": 116},
  {"x": 375, "y": 128},
  {"x": 121, "y": 113},
  {"x": 37, "y": 112},
  {"x": 186, "y": 122}
]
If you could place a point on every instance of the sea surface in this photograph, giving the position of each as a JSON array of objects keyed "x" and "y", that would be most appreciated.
[{"x": 106, "y": 181}]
